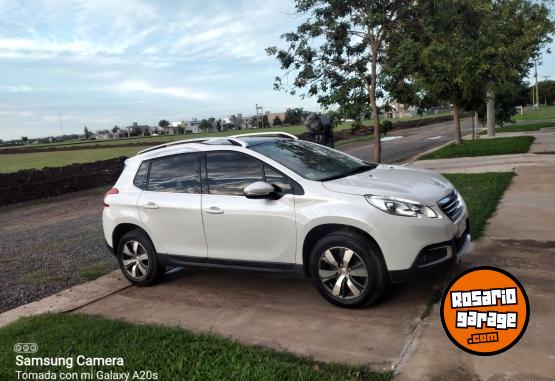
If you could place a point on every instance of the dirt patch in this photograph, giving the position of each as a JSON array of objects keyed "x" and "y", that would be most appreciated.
[{"x": 33, "y": 184}]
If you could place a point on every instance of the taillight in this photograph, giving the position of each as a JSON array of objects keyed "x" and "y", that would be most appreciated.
[{"x": 111, "y": 191}]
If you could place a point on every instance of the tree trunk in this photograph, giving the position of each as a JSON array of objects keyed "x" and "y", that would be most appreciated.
[
  {"x": 457, "y": 123},
  {"x": 375, "y": 113},
  {"x": 491, "y": 113}
]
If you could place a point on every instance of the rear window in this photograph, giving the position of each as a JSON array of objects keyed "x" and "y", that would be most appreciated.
[
  {"x": 142, "y": 176},
  {"x": 175, "y": 174}
]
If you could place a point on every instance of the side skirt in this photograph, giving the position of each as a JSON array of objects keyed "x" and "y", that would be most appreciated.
[{"x": 230, "y": 264}]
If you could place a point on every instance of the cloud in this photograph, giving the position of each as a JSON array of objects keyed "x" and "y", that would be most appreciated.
[
  {"x": 142, "y": 87},
  {"x": 16, "y": 89}
]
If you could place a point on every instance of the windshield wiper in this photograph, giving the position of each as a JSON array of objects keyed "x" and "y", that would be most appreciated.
[{"x": 354, "y": 171}]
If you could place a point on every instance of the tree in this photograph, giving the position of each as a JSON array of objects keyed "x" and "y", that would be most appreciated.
[
  {"x": 163, "y": 124},
  {"x": 435, "y": 56},
  {"x": 546, "y": 90},
  {"x": 336, "y": 52},
  {"x": 293, "y": 116},
  {"x": 277, "y": 121},
  {"x": 24, "y": 139},
  {"x": 115, "y": 130},
  {"x": 87, "y": 133},
  {"x": 204, "y": 125},
  {"x": 513, "y": 33}
]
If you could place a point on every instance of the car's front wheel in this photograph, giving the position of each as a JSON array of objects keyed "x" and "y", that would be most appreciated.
[
  {"x": 348, "y": 269},
  {"x": 138, "y": 260}
]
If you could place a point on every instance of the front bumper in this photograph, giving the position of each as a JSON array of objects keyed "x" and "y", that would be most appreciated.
[{"x": 435, "y": 258}]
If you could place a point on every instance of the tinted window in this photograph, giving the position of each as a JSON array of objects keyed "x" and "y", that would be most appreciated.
[
  {"x": 177, "y": 174},
  {"x": 230, "y": 172},
  {"x": 141, "y": 176},
  {"x": 312, "y": 161},
  {"x": 275, "y": 178}
]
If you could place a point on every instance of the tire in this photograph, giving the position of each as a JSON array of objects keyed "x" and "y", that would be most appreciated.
[
  {"x": 138, "y": 260},
  {"x": 338, "y": 283}
]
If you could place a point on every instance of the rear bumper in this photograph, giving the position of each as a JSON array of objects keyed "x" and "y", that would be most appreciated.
[{"x": 425, "y": 264}]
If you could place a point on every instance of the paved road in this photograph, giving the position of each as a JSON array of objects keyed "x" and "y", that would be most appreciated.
[
  {"x": 411, "y": 142},
  {"x": 45, "y": 248}
]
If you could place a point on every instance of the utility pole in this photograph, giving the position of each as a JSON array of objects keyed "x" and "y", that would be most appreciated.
[
  {"x": 537, "y": 104},
  {"x": 60, "y": 119},
  {"x": 545, "y": 78}
]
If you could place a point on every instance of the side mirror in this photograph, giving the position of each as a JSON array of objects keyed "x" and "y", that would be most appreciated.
[{"x": 259, "y": 189}]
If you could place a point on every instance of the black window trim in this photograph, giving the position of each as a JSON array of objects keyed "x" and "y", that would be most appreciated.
[{"x": 296, "y": 187}]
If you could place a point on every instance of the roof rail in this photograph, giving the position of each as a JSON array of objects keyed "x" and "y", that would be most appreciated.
[
  {"x": 281, "y": 134},
  {"x": 197, "y": 140}
]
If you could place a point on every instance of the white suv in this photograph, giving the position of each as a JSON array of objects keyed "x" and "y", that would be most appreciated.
[{"x": 271, "y": 202}]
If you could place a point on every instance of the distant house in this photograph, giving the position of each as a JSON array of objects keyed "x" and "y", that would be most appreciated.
[
  {"x": 139, "y": 130},
  {"x": 400, "y": 110},
  {"x": 272, "y": 116},
  {"x": 101, "y": 135},
  {"x": 237, "y": 121}
]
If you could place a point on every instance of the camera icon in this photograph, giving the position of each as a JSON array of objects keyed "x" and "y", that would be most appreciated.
[{"x": 25, "y": 348}]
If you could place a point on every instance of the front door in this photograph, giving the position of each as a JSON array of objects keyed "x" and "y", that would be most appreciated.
[
  {"x": 238, "y": 228},
  {"x": 170, "y": 207}
]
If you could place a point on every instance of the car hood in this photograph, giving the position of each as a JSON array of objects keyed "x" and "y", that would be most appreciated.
[{"x": 413, "y": 184}]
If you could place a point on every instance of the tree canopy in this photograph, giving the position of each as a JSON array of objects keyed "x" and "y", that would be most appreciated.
[{"x": 334, "y": 55}]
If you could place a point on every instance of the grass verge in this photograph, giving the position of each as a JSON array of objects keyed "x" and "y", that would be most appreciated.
[
  {"x": 481, "y": 192},
  {"x": 483, "y": 147},
  {"x": 173, "y": 353},
  {"x": 524, "y": 127},
  {"x": 95, "y": 270},
  {"x": 543, "y": 113}
]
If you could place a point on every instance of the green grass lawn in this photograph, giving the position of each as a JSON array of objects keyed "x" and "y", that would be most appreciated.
[
  {"x": 37, "y": 160},
  {"x": 524, "y": 127},
  {"x": 543, "y": 113},
  {"x": 483, "y": 147},
  {"x": 481, "y": 192},
  {"x": 173, "y": 353}
]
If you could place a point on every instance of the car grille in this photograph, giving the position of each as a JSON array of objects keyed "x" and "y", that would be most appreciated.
[{"x": 452, "y": 205}]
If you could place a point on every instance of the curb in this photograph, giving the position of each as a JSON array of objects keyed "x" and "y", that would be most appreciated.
[{"x": 70, "y": 299}]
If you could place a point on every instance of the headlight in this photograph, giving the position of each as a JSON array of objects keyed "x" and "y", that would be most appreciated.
[{"x": 400, "y": 207}]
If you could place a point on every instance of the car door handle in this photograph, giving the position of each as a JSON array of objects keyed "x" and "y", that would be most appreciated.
[
  {"x": 214, "y": 210},
  {"x": 150, "y": 205}
]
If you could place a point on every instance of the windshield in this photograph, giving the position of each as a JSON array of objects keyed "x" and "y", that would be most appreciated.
[{"x": 312, "y": 161}]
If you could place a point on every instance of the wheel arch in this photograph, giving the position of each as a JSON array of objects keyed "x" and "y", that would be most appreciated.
[
  {"x": 319, "y": 231},
  {"x": 124, "y": 228}
]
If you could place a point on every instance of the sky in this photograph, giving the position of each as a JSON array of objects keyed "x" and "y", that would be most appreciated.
[{"x": 105, "y": 62}]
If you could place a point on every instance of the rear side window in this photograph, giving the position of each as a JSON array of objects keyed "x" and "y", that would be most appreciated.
[
  {"x": 230, "y": 172},
  {"x": 141, "y": 176},
  {"x": 175, "y": 174}
]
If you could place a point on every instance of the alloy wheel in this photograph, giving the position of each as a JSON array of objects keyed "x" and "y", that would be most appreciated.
[
  {"x": 343, "y": 273},
  {"x": 135, "y": 260}
]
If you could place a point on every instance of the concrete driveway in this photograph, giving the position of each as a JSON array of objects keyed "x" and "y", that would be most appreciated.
[{"x": 276, "y": 311}]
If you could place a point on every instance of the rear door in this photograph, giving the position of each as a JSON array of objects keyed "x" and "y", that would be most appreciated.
[
  {"x": 170, "y": 207},
  {"x": 238, "y": 228}
]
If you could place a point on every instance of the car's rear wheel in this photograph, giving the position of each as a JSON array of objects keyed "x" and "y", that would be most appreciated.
[
  {"x": 138, "y": 260},
  {"x": 348, "y": 269}
]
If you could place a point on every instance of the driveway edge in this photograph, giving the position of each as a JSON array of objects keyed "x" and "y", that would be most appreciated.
[{"x": 70, "y": 299}]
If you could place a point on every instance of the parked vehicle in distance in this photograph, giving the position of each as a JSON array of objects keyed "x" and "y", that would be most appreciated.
[{"x": 272, "y": 202}]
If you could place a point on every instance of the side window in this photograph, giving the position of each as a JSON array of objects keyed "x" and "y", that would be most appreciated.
[
  {"x": 141, "y": 177},
  {"x": 230, "y": 172},
  {"x": 175, "y": 174},
  {"x": 275, "y": 178}
]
